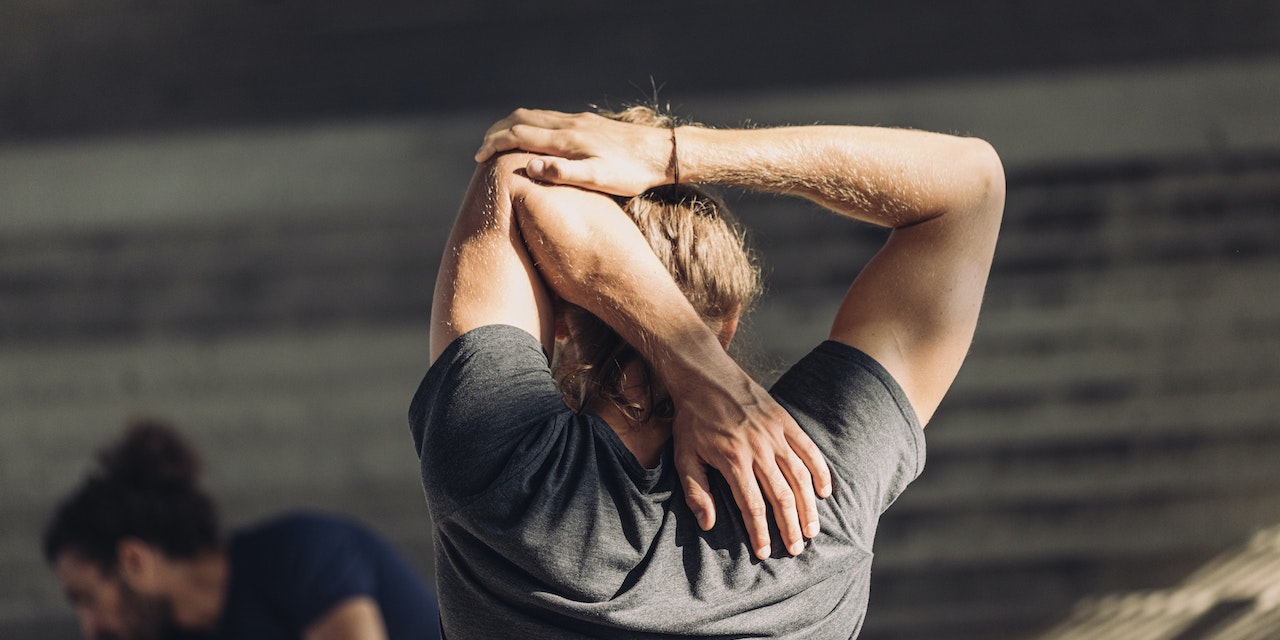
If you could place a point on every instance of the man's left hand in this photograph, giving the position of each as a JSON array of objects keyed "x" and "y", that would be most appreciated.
[{"x": 585, "y": 150}]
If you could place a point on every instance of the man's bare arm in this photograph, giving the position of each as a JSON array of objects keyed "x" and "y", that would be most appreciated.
[
  {"x": 486, "y": 275},
  {"x": 915, "y": 305},
  {"x": 592, "y": 255},
  {"x": 580, "y": 241}
]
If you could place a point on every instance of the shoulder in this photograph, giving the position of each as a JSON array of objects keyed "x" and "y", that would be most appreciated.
[
  {"x": 849, "y": 372},
  {"x": 470, "y": 367},
  {"x": 850, "y": 404},
  {"x": 484, "y": 407},
  {"x": 296, "y": 537},
  {"x": 305, "y": 552},
  {"x": 296, "y": 524}
]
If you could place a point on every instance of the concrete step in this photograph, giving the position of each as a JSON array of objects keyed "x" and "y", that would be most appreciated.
[
  {"x": 1076, "y": 532},
  {"x": 1121, "y": 473},
  {"x": 296, "y": 271},
  {"x": 299, "y": 274},
  {"x": 1013, "y": 601}
]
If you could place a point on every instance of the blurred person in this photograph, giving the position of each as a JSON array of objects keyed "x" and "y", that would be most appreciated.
[
  {"x": 555, "y": 482},
  {"x": 139, "y": 555}
]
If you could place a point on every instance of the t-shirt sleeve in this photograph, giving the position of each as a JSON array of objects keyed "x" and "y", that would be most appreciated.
[
  {"x": 475, "y": 407},
  {"x": 862, "y": 421}
]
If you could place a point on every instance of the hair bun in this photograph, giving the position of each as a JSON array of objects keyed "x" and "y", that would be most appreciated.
[{"x": 151, "y": 453}]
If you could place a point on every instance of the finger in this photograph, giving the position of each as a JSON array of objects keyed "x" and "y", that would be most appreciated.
[
  {"x": 561, "y": 171},
  {"x": 555, "y": 142},
  {"x": 697, "y": 491},
  {"x": 802, "y": 487},
  {"x": 544, "y": 118},
  {"x": 517, "y": 136},
  {"x": 812, "y": 457},
  {"x": 778, "y": 491},
  {"x": 491, "y": 146},
  {"x": 493, "y": 141},
  {"x": 746, "y": 493},
  {"x": 498, "y": 137}
]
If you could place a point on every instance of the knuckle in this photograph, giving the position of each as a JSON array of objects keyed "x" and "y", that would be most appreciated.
[
  {"x": 685, "y": 459},
  {"x": 786, "y": 502},
  {"x": 739, "y": 461},
  {"x": 756, "y": 510},
  {"x": 799, "y": 470},
  {"x": 782, "y": 493},
  {"x": 734, "y": 456},
  {"x": 809, "y": 449}
]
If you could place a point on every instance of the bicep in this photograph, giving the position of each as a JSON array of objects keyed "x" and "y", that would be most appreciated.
[
  {"x": 914, "y": 307},
  {"x": 356, "y": 618},
  {"x": 486, "y": 275}
]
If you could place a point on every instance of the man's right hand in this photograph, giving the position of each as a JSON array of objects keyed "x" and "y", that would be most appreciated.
[{"x": 730, "y": 423}]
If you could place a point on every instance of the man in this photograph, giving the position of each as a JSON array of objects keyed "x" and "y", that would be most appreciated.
[
  {"x": 137, "y": 550},
  {"x": 555, "y": 493}
]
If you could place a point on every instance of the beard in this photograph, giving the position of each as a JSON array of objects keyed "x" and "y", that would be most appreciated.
[{"x": 143, "y": 617}]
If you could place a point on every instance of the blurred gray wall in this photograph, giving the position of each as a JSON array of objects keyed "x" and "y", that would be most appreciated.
[{"x": 230, "y": 215}]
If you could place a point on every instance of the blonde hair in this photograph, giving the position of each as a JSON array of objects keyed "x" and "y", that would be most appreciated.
[{"x": 698, "y": 240}]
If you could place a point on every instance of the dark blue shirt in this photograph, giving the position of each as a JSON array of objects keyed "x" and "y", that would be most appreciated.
[{"x": 288, "y": 572}]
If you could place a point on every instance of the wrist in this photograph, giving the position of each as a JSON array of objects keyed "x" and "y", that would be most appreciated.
[
  {"x": 693, "y": 364},
  {"x": 688, "y": 144}
]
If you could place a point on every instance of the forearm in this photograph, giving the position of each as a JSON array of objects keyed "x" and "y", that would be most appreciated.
[
  {"x": 889, "y": 177},
  {"x": 723, "y": 418},
  {"x": 357, "y": 618},
  {"x": 591, "y": 254}
]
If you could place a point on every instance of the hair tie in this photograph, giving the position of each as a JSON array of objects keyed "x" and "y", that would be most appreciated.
[{"x": 675, "y": 156}]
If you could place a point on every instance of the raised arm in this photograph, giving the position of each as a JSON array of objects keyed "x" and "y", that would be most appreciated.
[
  {"x": 486, "y": 275},
  {"x": 514, "y": 238},
  {"x": 914, "y": 307}
]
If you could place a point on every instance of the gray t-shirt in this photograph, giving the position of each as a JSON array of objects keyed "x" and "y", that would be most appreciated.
[{"x": 546, "y": 526}]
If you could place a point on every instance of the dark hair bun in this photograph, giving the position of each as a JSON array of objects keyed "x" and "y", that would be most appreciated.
[{"x": 151, "y": 453}]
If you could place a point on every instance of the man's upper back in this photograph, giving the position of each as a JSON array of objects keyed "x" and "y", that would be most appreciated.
[{"x": 547, "y": 527}]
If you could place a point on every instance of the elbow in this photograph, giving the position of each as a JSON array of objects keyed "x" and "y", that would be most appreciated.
[
  {"x": 505, "y": 171},
  {"x": 970, "y": 184},
  {"x": 987, "y": 196}
]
